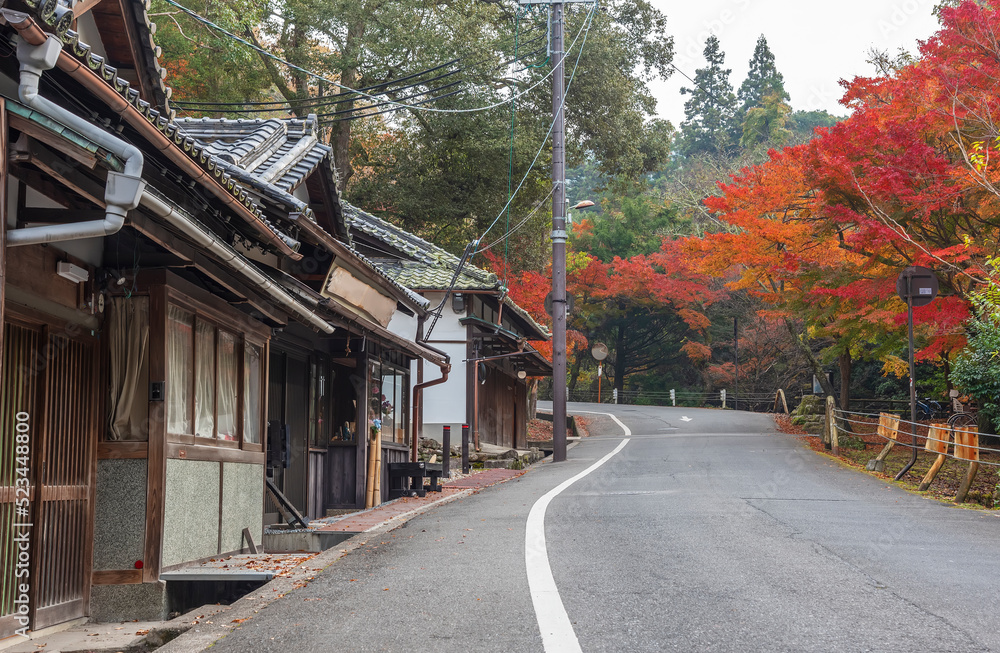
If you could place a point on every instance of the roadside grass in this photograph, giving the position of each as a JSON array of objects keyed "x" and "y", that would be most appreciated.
[{"x": 856, "y": 451}]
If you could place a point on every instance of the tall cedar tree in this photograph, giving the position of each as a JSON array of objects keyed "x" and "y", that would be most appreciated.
[
  {"x": 762, "y": 80},
  {"x": 710, "y": 125}
]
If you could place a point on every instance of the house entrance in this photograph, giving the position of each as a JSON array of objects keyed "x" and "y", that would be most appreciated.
[{"x": 48, "y": 392}]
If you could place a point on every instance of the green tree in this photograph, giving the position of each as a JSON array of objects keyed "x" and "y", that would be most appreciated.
[
  {"x": 976, "y": 370},
  {"x": 767, "y": 123},
  {"x": 763, "y": 80},
  {"x": 633, "y": 225},
  {"x": 710, "y": 125},
  {"x": 445, "y": 176},
  {"x": 205, "y": 65}
]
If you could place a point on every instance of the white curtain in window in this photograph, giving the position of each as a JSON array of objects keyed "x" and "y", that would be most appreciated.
[
  {"x": 228, "y": 397},
  {"x": 128, "y": 340},
  {"x": 180, "y": 344},
  {"x": 205, "y": 380},
  {"x": 251, "y": 394}
]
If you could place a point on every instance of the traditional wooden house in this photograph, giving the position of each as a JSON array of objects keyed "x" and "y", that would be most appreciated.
[
  {"x": 325, "y": 390},
  {"x": 142, "y": 282},
  {"x": 480, "y": 326}
]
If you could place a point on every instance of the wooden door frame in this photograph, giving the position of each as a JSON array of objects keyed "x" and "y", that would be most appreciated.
[{"x": 47, "y": 326}]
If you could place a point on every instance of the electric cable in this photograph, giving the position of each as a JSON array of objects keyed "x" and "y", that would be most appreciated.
[
  {"x": 338, "y": 98},
  {"x": 401, "y": 105},
  {"x": 286, "y": 106},
  {"x": 520, "y": 224},
  {"x": 585, "y": 30}
]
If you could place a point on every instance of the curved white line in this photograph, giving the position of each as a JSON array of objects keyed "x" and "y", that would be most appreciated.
[
  {"x": 557, "y": 631},
  {"x": 617, "y": 421}
]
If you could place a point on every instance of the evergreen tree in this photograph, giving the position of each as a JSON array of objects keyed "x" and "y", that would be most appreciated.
[
  {"x": 710, "y": 125},
  {"x": 767, "y": 123},
  {"x": 762, "y": 80}
]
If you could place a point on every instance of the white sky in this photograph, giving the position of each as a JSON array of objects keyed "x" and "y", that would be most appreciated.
[{"x": 815, "y": 44}]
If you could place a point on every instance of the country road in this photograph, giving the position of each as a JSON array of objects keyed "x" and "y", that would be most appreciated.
[{"x": 711, "y": 533}]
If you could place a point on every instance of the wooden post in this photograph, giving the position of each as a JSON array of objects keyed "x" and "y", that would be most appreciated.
[
  {"x": 831, "y": 424},
  {"x": 938, "y": 436},
  {"x": 888, "y": 428},
  {"x": 156, "y": 463},
  {"x": 827, "y": 425},
  {"x": 370, "y": 477},
  {"x": 967, "y": 448}
]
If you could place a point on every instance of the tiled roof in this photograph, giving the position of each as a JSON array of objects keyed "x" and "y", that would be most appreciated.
[
  {"x": 58, "y": 17},
  {"x": 431, "y": 267},
  {"x": 271, "y": 155}
]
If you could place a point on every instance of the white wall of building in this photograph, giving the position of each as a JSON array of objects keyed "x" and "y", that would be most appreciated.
[
  {"x": 403, "y": 325},
  {"x": 445, "y": 403}
]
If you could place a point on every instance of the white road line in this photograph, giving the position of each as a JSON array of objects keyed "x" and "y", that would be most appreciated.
[
  {"x": 617, "y": 421},
  {"x": 558, "y": 635}
]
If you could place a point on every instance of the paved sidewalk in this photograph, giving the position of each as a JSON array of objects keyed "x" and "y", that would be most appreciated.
[
  {"x": 360, "y": 522},
  {"x": 199, "y": 628}
]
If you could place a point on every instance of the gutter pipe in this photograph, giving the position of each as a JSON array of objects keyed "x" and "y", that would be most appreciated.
[
  {"x": 30, "y": 32},
  {"x": 122, "y": 192},
  {"x": 232, "y": 258}
]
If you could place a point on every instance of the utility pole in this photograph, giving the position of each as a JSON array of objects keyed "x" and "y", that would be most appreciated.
[
  {"x": 557, "y": 23},
  {"x": 558, "y": 238}
]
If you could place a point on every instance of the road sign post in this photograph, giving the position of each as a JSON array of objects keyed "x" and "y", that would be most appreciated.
[{"x": 917, "y": 286}]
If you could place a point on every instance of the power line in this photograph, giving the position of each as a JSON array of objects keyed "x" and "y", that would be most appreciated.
[
  {"x": 585, "y": 30},
  {"x": 520, "y": 224},
  {"x": 310, "y": 73},
  {"x": 329, "y": 100},
  {"x": 320, "y": 99}
]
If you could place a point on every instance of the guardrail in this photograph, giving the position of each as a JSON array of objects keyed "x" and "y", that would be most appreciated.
[
  {"x": 764, "y": 402},
  {"x": 947, "y": 440}
]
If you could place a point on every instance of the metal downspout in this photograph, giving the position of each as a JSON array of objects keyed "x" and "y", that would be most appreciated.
[
  {"x": 418, "y": 391},
  {"x": 28, "y": 30},
  {"x": 122, "y": 192}
]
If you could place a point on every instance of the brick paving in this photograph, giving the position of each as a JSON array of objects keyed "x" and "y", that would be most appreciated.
[{"x": 362, "y": 521}]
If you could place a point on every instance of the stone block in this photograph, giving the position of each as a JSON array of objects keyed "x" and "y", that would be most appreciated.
[{"x": 138, "y": 601}]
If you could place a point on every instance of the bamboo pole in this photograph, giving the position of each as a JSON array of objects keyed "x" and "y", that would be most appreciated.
[{"x": 377, "y": 493}]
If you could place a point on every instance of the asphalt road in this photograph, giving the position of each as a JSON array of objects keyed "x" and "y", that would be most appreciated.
[{"x": 714, "y": 533}]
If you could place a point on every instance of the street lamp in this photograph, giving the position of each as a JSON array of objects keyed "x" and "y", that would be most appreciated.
[{"x": 585, "y": 204}]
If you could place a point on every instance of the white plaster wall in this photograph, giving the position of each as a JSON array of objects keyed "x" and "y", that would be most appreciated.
[
  {"x": 445, "y": 403},
  {"x": 403, "y": 325},
  {"x": 89, "y": 34}
]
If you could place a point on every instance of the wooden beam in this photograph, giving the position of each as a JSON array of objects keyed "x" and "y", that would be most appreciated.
[
  {"x": 113, "y": 450},
  {"x": 194, "y": 257},
  {"x": 156, "y": 467},
  {"x": 117, "y": 577},
  {"x": 44, "y": 185},
  {"x": 49, "y": 162},
  {"x": 60, "y": 216},
  {"x": 34, "y": 130},
  {"x": 84, "y": 6}
]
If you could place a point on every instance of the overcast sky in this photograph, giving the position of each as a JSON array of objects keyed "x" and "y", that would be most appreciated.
[{"x": 815, "y": 44}]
